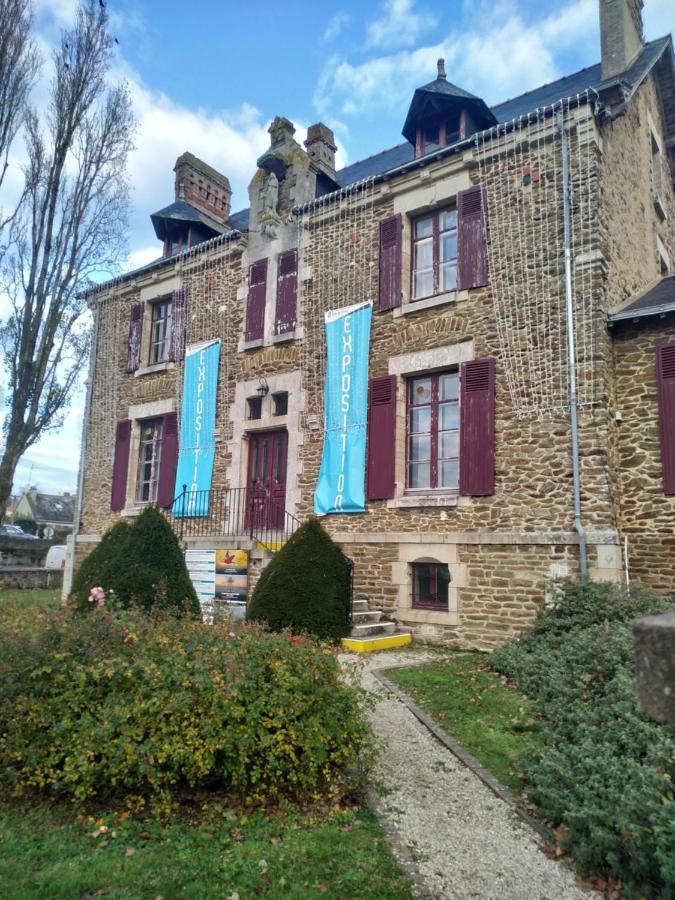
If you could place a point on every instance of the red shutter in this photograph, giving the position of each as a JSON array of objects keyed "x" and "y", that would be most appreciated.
[
  {"x": 665, "y": 382},
  {"x": 255, "y": 306},
  {"x": 287, "y": 292},
  {"x": 381, "y": 474},
  {"x": 118, "y": 495},
  {"x": 471, "y": 238},
  {"x": 390, "y": 263},
  {"x": 168, "y": 460},
  {"x": 135, "y": 335},
  {"x": 477, "y": 428},
  {"x": 178, "y": 324}
]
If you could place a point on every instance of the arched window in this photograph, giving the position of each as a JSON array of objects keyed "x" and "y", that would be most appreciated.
[{"x": 430, "y": 582}]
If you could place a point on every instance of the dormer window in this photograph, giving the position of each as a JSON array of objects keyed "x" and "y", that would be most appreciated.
[{"x": 440, "y": 134}]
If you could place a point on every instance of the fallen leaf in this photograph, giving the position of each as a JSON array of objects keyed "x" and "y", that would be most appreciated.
[{"x": 130, "y": 851}]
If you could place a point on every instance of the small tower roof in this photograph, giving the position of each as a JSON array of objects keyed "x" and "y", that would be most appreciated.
[{"x": 440, "y": 97}]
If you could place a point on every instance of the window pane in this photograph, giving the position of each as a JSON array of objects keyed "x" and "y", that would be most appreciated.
[
  {"x": 431, "y": 139},
  {"x": 419, "y": 475},
  {"x": 448, "y": 444},
  {"x": 448, "y": 386},
  {"x": 448, "y": 246},
  {"x": 448, "y": 219},
  {"x": 421, "y": 391},
  {"x": 424, "y": 284},
  {"x": 424, "y": 254},
  {"x": 449, "y": 277},
  {"x": 448, "y": 473},
  {"x": 420, "y": 420},
  {"x": 451, "y": 131},
  {"x": 424, "y": 227},
  {"x": 420, "y": 447},
  {"x": 448, "y": 416}
]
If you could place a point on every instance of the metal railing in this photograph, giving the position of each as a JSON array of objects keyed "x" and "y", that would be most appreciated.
[{"x": 232, "y": 513}]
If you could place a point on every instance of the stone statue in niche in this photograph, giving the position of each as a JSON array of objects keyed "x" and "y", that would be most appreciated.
[{"x": 269, "y": 196}]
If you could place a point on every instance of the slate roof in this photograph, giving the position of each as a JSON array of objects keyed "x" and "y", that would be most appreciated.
[
  {"x": 181, "y": 211},
  {"x": 51, "y": 508},
  {"x": 656, "y": 300}
]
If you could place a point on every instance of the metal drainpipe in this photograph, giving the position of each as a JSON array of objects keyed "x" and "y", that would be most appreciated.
[
  {"x": 83, "y": 442},
  {"x": 571, "y": 352}
]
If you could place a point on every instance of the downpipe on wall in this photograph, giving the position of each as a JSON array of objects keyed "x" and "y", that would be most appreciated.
[{"x": 571, "y": 351}]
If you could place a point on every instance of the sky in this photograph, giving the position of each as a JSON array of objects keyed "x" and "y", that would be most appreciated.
[{"x": 210, "y": 76}]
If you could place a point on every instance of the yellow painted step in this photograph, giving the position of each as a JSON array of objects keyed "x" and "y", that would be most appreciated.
[{"x": 385, "y": 642}]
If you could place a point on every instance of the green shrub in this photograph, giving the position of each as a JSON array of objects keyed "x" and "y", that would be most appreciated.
[
  {"x": 135, "y": 707},
  {"x": 95, "y": 569},
  {"x": 305, "y": 587},
  {"x": 143, "y": 565},
  {"x": 604, "y": 771}
]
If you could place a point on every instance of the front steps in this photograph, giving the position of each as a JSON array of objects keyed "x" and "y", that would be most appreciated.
[{"x": 372, "y": 631}]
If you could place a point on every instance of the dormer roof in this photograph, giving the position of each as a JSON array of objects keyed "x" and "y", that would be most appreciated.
[{"x": 442, "y": 97}]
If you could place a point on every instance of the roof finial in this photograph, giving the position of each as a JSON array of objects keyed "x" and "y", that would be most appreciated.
[{"x": 441, "y": 69}]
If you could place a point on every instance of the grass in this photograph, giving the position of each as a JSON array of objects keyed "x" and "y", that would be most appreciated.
[
  {"x": 491, "y": 719},
  {"x": 49, "y": 851},
  {"x": 44, "y": 853}
]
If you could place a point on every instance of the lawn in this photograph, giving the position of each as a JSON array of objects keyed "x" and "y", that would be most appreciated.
[
  {"x": 491, "y": 719},
  {"x": 210, "y": 848}
]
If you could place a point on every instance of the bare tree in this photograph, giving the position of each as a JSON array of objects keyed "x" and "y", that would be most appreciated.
[
  {"x": 19, "y": 66},
  {"x": 69, "y": 226}
]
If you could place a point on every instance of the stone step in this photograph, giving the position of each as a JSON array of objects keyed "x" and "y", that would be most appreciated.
[
  {"x": 365, "y": 616},
  {"x": 360, "y": 605},
  {"x": 372, "y": 628}
]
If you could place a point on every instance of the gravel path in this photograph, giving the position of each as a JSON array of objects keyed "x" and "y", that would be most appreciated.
[{"x": 466, "y": 842}]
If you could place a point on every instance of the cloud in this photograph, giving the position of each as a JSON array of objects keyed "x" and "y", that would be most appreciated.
[
  {"x": 514, "y": 57},
  {"x": 398, "y": 25},
  {"x": 659, "y": 18},
  {"x": 336, "y": 25}
]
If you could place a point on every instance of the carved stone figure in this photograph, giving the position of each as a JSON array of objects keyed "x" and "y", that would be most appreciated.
[{"x": 270, "y": 195}]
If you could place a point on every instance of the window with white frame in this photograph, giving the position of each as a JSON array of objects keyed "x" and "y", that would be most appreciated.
[
  {"x": 160, "y": 331},
  {"x": 434, "y": 253},
  {"x": 149, "y": 457},
  {"x": 433, "y": 432}
]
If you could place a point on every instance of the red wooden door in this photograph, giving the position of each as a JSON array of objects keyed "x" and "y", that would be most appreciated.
[{"x": 266, "y": 494}]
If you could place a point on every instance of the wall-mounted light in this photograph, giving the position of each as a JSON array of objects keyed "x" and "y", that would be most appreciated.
[{"x": 263, "y": 388}]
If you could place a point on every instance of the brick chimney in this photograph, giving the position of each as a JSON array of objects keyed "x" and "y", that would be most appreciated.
[
  {"x": 321, "y": 148},
  {"x": 621, "y": 35},
  {"x": 202, "y": 187}
]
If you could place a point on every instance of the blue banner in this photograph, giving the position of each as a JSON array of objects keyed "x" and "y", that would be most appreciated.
[
  {"x": 197, "y": 446},
  {"x": 340, "y": 487}
]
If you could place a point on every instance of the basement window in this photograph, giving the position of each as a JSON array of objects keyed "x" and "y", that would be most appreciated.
[{"x": 430, "y": 581}]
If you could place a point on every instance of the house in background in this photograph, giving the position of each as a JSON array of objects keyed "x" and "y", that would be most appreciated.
[
  {"x": 47, "y": 511},
  {"x": 484, "y": 473}
]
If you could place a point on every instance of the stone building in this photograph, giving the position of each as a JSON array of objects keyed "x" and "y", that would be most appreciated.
[{"x": 472, "y": 239}]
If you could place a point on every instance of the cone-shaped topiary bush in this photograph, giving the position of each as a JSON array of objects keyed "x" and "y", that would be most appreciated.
[
  {"x": 305, "y": 587},
  {"x": 143, "y": 565},
  {"x": 95, "y": 569}
]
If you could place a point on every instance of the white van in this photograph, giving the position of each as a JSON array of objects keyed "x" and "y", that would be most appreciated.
[{"x": 56, "y": 557}]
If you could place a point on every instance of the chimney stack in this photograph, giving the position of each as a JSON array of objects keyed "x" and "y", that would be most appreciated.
[
  {"x": 621, "y": 35},
  {"x": 202, "y": 187},
  {"x": 321, "y": 148}
]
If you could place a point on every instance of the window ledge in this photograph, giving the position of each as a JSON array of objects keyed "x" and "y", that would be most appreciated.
[
  {"x": 132, "y": 511},
  {"x": 413, "y": 306},
  {"x": 157, "y": 367},
  {"x": 284, "y": 337},
  {"x": 427, "y": 616},
  {"x": 412, "y": 501},
  {"x": 251, "y": 345}
]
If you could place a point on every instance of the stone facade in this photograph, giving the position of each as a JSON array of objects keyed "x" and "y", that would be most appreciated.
[{"x": 500, "y": 549}]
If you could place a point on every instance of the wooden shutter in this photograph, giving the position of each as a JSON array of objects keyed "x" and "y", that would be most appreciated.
[
  {"x": 168, "y": 460},
  {"x": 255, "y": 306},
  {"x": 118, "y": 495},
  {"x": 135, "y": 337},
  {"x": 477, "y": 428},
  {"x": 471, "y": 238},
  {"x": 381, "y": 437},
  {"x": 287, "y": 292},
  {"x": 390, "y": 264},
  {"x": 665, "y": 383},
  {"x": 178, "y": 324}
]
